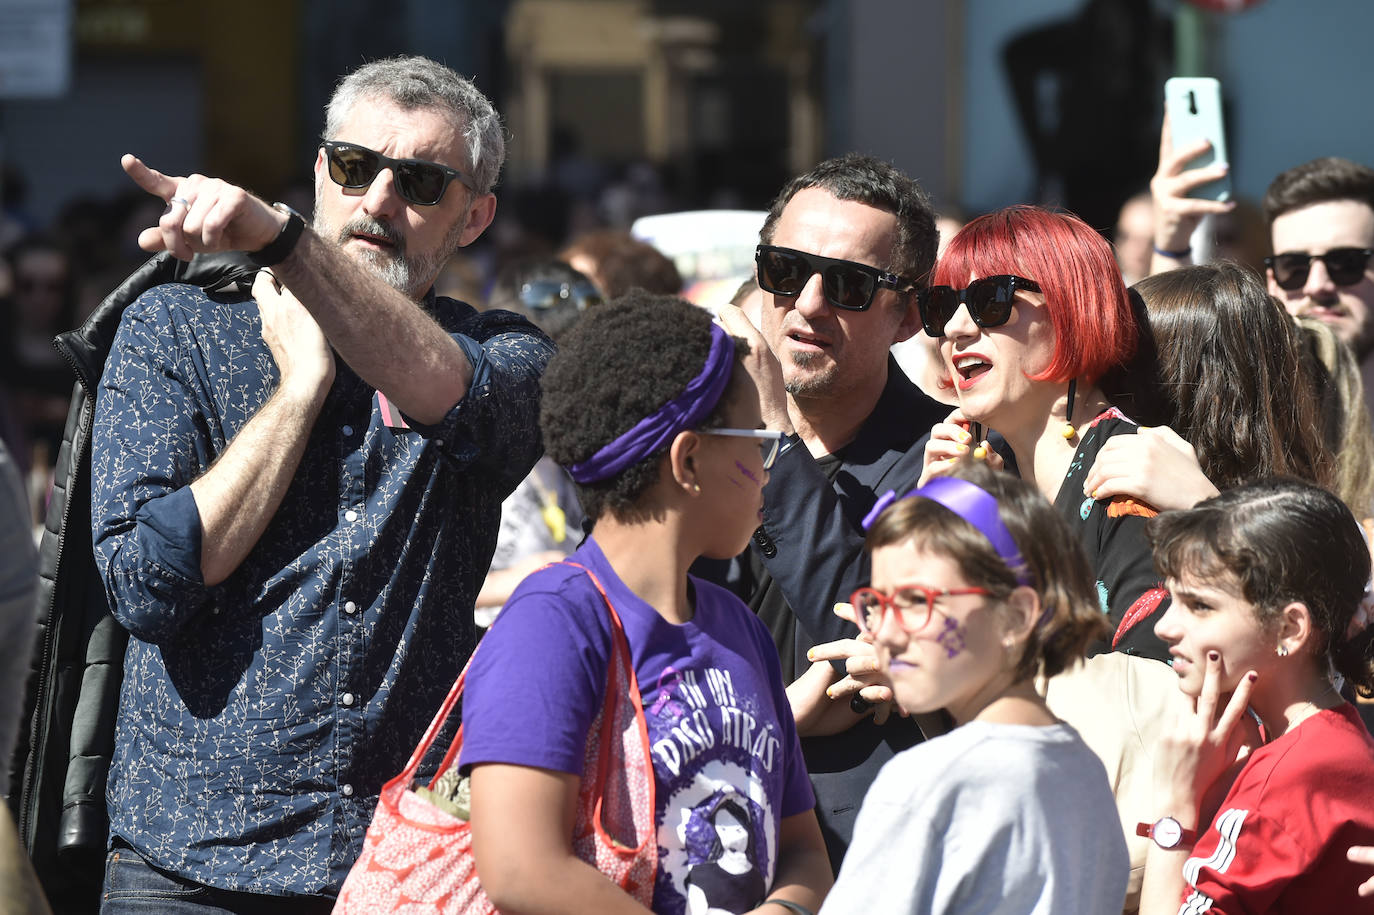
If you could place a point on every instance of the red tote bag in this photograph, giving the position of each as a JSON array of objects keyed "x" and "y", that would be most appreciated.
[{"x": 417, "y": 859}]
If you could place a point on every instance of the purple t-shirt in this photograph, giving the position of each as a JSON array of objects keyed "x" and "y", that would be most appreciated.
[{"x": 727, "y": 764}]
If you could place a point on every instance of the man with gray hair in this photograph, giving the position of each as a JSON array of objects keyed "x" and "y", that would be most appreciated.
[{"x": 296, "y": 497}]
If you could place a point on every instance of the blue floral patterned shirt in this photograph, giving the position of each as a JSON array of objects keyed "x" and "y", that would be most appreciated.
[{"x": 259, "y": 718}]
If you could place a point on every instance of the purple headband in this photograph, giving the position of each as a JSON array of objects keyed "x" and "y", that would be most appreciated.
[
  {"x": 972, "y": 503},
  {"x": 654, "y": 431}
]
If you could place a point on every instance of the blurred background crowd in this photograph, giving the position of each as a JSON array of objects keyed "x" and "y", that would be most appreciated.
[{"x": 619, "y": 110}]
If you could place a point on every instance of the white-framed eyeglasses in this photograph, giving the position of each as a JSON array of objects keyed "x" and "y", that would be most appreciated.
[{"x": 770, "y": 441}]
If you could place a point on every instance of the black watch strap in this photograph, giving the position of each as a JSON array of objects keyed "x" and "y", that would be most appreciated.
[{"x": 284, "y": 243}]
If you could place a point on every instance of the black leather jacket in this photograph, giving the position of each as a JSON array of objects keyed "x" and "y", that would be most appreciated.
[{"x": 63, "y": 754}]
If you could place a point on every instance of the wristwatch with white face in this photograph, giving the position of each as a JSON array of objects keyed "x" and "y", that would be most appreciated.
[{"x": 1167, "y": 832}]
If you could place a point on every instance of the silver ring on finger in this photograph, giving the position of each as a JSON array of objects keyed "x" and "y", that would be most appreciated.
[{"x": 181, "y": 200}]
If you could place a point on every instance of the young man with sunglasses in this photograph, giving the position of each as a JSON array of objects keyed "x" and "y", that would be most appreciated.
[
  {"x": 844, "y": 250},
  {"x": 296, "y": 497},
  {"x": 1321, "y": 223}
]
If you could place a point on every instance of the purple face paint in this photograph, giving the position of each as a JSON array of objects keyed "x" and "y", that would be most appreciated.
[
  {"x": 952, "y": 638},
  {"x": 745, "y": 470}
]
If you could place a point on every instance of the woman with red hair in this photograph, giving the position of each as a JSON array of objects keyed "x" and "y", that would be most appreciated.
[{"x": 1031, "y": 312}]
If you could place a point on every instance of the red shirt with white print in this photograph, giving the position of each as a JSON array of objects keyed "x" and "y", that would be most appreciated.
[{"x": 1278, "y": 843}]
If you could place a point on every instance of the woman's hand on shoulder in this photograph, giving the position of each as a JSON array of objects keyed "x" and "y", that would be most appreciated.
[
  {"x": 1155, "y": 466},
  {"x": 950, "y": 441}
]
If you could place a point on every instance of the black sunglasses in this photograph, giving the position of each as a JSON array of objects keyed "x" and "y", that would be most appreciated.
[
  {"x": 989, "y": 302},
  {"x": 845, "y": 284},
  {"x": 1345, "y": 266},
  {"x": 421, "y": 182},
  {"x": 543, "y": 294}
]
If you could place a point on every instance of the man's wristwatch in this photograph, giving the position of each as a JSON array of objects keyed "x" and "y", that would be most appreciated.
[
  {"x": 278, "y": 249},
  {"x": 1167, "y": 832}
]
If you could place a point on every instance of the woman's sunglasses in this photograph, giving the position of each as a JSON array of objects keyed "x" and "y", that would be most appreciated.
[
  {"x": 989, "y": 302},
  {"x": 1345, "y": 266},
  {"x": 420, "y": 182},
  {"x": 845, "y": 284},
  {"x": 912, "y": 605}
]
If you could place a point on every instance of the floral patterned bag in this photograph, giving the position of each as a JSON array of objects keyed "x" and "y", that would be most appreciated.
[{"x": 417, "y": 857}]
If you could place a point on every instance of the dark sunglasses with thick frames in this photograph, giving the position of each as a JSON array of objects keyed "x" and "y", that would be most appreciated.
[
  {"x": 989, "y": 302},
  {"x": 1345, "y": 266},
  {"x": 419, "y": 181},
  {"x": 845, "y": 284}
]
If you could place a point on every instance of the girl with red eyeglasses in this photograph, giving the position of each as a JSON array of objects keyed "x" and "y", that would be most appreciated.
[{"x": 978, "y": 587}]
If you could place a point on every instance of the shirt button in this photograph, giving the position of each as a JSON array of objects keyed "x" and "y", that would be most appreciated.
[
  {"x": 346, "y": 790},
  {"x": 347, "y": 430},
  {"x": 350, "y": 515},
  {"x": 350, "y": 607},
  {"x": 346, "y": 699},
  {"x": 440, "y": 442}
]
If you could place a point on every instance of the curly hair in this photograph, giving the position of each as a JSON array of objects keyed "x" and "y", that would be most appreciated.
[
  {"x": 1055, "y": 561},
  {"x": 1284, "y": 541},
  {"x": 620, "y": 363}
]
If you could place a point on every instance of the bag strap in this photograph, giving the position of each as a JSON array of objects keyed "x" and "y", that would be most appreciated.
[
  {"x": 620, "y": 654},
  {"x": 454, "y": 694}
]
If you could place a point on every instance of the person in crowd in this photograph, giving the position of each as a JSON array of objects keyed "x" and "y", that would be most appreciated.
[
  {"x": 541, "y": 521},
  {"x": 844, "y": 249},
  {"x": 18, "y": 622},
  {"x": 36, "y": 379},
  {"x": 1321, "y": 224},
  {"x": 669, "y": 469},
  {"x": 1346, "y": 425},
  {"x": 1031, "y": 312},
  {"x": 295, "y": 499},
  {"x": 1133, "y": 237},
  {"x": 1269, "y": 584},
  {"x": 18, "y": 610},
  {"x": 1239, "y": 399},
  {"x": 617, "y": 262},
  {"x": 978, "y": 586}
]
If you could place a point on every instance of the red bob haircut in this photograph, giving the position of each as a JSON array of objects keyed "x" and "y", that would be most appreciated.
[{"x": 1094, "y": 328}]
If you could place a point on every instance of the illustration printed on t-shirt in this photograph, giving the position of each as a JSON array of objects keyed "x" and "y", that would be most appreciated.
[{"x": 718, "y": 759}]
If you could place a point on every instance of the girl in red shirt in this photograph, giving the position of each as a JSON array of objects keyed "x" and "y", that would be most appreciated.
[{"x": 1269, "y": 586}]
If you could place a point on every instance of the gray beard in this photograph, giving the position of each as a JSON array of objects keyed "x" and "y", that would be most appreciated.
[
  {"x": 813, "y": 385},
  {"x": 408, "y": 275}
]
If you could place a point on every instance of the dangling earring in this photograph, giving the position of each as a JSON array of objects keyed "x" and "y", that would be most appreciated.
[
  {"x": 1281, "y": 651},
  {"x": 1069, "y": 430}
]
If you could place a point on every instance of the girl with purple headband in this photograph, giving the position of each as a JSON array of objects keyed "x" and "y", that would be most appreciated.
[
  {"x": 978, "y": 587},
  {"x": 648, "y": 407}
]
